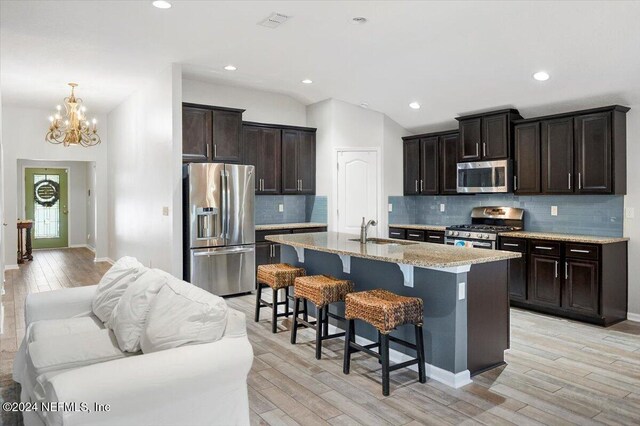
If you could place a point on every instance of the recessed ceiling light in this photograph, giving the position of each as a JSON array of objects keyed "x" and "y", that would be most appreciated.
[
  {"x": 161, "y": 4},
  {"x": 230, "y": 68},
  {"x": 414, "y": 105},
  {"x": 541, "y": 76},
  {"x": 359, "y": 20},
  {"x": 307, "y": 81}
]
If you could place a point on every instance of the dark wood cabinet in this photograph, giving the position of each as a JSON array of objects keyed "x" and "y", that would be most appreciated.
[
  {"x": 211, "y": 133},
  {"x": 196, "y": 134},
  {"x": 487, "y": 136},
  {"x": 526, "y": 164},
  {"x": 268, "y": 252},
  {"x": 581, "y": 286},
  {"x": 261, "y": 148},
  {"x": 430, "y": 163},
  {"x": 593, "y": 152},
  {"x": 398, "y": 233},
  {"x": 544, "y": 281},
  {"x": 517, "y": 269},
  {"x": 298, "y": 161},
  {"x": 449, "y": 163},
  {"x": 412, "y": 234},
  {"x": 557, "y": 156}
]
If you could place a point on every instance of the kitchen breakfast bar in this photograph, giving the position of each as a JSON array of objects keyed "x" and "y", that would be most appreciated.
[{"x": 465, "y": 294}]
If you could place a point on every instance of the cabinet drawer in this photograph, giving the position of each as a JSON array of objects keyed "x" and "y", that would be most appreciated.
[
  {"x": 415, "y": 235},
  {"x": 308, "y": 230},
  {"x": 436, "y": 237},
  {"x": 513, "y": 244},
  {"x": 581, "y": 251},
  {"x": 398, "y": 233},
  {"x": 545, "y": 248},
  {"x": 260, "y": 235}
]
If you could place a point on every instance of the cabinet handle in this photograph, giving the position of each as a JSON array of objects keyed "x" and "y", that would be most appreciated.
[
  {"x": 416, "y": 186},
  {"x": 543, "y": 248},
  {"x": 569, "y": 180},
  {"x": 301, "y": 184},
  {"x": 566, "y": 270},
  {"x": 208, "y": 150},
  {"x": 515, "y": 182},
  {"x": 580, "y": 251},
  {"x": 215, "y": 151},
  {"x": 477, "y": 149},
  {"x": 484, "y": 149},
  {"x": 579, "y": 180},
  {"x": 415, "y": 235},
  {"x": 435, "y": 237},
  {"x": 262, "y": 184},
  {"x": 421, "y": 185},
  {"x": 556, "y": 269},
  {"x": 510, "y": 244},
  {"x": 395, "y": 234}
]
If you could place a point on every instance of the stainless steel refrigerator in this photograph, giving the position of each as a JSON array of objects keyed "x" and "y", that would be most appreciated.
[{"x": 219, "y": 227}]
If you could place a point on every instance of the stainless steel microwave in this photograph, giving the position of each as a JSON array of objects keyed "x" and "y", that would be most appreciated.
[{"x": 484, "y": 176}]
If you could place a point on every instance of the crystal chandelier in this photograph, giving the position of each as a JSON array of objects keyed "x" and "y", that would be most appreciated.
[{"x": 72, "y": 128}]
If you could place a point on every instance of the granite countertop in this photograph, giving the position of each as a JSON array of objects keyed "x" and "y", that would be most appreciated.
[
  {"x": 289, "y": 226},
  {"x": 405, "y": 252},
  {"x": 422, "y": 227},
  {"x": 563, "y": 237}
]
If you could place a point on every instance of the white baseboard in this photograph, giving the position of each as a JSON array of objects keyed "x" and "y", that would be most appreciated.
[
  {"x": 104, "y": 259},
  {"x": 454, "y": 380},
  {"x": 11, "y": 267},
  {"x": 90, "y": 248},
  {"x": 77, "y": 246},
  {"x": 633, "y": 317}
]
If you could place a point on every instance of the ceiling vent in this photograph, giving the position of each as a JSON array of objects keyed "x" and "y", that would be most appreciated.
[{"x": 274, "y": 20}]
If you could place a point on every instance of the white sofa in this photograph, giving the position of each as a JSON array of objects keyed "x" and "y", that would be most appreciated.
[{"x": 69, "y": 356}]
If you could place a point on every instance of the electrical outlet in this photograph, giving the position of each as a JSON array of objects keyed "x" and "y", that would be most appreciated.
[
  {"x": 462, "y": 290},
  {"x": 554, "y": 210},
  {"x": 390, "y": 207},
  {"x": 629, "y": 212},
  {"x": 165, "y": 211},
  {"x": 280, "y": 208},
  {"x": 442, "y": 207}
]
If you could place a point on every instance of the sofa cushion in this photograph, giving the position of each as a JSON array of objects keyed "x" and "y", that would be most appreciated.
[
  {"x": 236, "y": 324},
  {"x": 62, "y": 327},
  {"x": 129, "y": 316},
  {"x": 113, "y": 284},
  {"x": 183, "y": 314}
]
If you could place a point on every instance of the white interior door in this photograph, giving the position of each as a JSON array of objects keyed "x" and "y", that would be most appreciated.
[{"x": 357, "y": 190}]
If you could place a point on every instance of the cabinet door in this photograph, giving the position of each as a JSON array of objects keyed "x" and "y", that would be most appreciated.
[
  {"x": 557, "y": 156},
  {"x": 429, "y": 166},
  {"x": 263, "y": 254},
  {"x": 518, "y": 278},
  {"x": 290, "y": 140},
  {"x": 449, "y": 164},
  {"x": 277, "y": 249},
  {"x": 526, "y": 178},
  {"x": 307, "y": 162},
  {"x": 593, "y": 153},
  {"x": 544, "y": 280},
  {"x": 495, "y": 137},
  {"x": 227, "y": 131},
  {"x": 251, "y": 137},
  {"x": 470, "y": 139},
  {"x": 411, "y": 163},
  {"x": 196, "y": 134},
  {"x": 581, "y": 286},
  {"x": 269, "y": 164}
]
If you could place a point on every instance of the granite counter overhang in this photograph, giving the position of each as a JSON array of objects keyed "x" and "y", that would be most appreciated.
[
  {"x": 570, "y": 238},
  {"x": 416, "y": 254},
  {"x": 297, "y": 225}
]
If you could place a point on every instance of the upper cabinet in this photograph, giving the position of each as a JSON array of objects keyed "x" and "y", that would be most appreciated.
[
  {"x": 486, "y": 136},
  {"x": 261, "y": 147},
  {"x": 211, "y": 133},
  {"x": 298, "y": 161},
  {"x": 430, "y": 163},
  {"x": 582, "y": 152}
]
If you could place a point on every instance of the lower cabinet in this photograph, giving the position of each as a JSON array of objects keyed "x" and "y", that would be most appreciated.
[
  {"x": 586, "y": 282},
  {"x": 422, "y": 235},
  {"x": 268, "y": 252}
]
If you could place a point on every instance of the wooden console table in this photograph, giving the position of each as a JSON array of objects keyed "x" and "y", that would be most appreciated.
[{"x": 24, "y": 240}]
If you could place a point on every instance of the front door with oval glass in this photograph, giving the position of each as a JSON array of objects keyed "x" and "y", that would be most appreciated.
[{"x": 47, "y": 205}]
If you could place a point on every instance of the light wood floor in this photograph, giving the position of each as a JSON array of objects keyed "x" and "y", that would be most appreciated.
[{"x": 558, "y": 372}]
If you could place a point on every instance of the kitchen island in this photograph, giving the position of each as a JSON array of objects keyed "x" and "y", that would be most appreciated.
[{"x": 465, "y": 293}]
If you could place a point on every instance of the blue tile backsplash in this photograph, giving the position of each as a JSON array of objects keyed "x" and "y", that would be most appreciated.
[
  {"x": 297, "y": 208},
  {"x": 599, "y": 215}
]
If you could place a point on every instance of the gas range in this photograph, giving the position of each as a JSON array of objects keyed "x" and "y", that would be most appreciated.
[{"x": 486, "y": 224}]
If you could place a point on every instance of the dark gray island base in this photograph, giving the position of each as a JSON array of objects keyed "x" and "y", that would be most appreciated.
[{"x": 466, "y": 306}]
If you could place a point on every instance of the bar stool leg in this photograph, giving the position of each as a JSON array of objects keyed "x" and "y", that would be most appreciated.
[
  {"x": 420, "y": 348},
  {"x": 287, "y": 308},
  {"x": 384, "y": 352},
  {"x": 349, "y": 333},
  {"x": 305, "y": 313},
  {"x": 274, "y": 313},
  {"x": 325, "y": 323},
  {"x": 380, "y": 347},
  {"x": 294, "y": 326},
  {"x": 319, "y": 327},
  {"x": 258, "y": 303}
]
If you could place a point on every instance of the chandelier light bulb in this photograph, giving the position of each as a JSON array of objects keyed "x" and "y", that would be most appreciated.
[
  {"x": 66, "y": 122},
  {"x": 51, "y": 118},
  {"x": 83, "y": 109},
  {"x": 58, "y": 107},
  {"x": 95, "y": 121}
]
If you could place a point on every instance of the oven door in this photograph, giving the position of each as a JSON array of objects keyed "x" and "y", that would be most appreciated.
[
  {"x": 463, "y": 242},
  {"x": 484, "y": 177}
]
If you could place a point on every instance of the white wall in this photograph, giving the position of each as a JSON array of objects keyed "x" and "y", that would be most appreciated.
[
  {"x": 23, "y": 133},
  {"x": 632, "y": 200},
  {"x": 145, "y": 174},
  {"x": 77, "y": 188},
  {"x": 260, "y": 106},
  {"x": 344, "y": 125}
]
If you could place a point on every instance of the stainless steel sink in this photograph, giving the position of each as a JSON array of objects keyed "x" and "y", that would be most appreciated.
[{"x": 385, "y": 242}]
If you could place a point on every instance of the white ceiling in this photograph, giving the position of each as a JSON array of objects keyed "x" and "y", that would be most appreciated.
[{"x": 452, "y": 57}]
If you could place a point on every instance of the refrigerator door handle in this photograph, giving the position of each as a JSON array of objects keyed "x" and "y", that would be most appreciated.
[
  {"x": 227, "y": 212},
  {"x": 223, "y": 251},
  {"x": 225, "y": 207}
]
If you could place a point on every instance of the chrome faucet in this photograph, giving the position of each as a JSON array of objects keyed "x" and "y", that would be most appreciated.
[{"x": 364, "y": 228}]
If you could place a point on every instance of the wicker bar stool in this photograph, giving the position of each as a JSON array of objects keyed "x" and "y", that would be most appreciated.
[
  {"x": 277, "y": 276},
  {"x": 385, "y": 311},
  {"x": 321, "y": 290}
]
